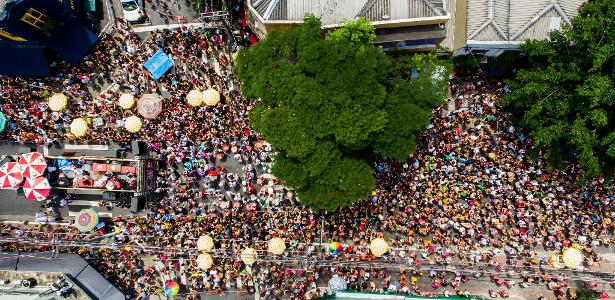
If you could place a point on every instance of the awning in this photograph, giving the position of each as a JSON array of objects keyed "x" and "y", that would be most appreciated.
[
  {"x": 99, "y": 167},
  {"x": 74, "y": 42},
  {"x": 409, "y": 33},
  {"x": 90, "y": 5},
  {"x": 129, "y": 169},
  {"x": 158, "y": 64},
  {"x": 22, "y": 59},
  {"x": 114, "y": 168}
]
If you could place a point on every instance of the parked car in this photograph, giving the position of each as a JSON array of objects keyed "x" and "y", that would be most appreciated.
[{"x": 132, "y": 10}]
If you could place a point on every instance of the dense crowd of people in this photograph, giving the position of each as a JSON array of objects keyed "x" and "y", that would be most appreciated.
[{"x": 470, "y": 197}]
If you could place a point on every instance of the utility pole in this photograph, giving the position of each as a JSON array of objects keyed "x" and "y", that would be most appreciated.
[
  {"x": 322, "y": 227},
  {"x": 322, "y": 231},
  {"x": 55, "y": 249},
  {"x": 223, "y": 17},
  {"x": 229, "y": 10}
]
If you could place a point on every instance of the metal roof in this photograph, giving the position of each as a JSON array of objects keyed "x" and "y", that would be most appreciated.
[
  {"x": 78, "y": 270},
  {"x": 334, "y": 11},
  {"x": 517, "y": 20}
]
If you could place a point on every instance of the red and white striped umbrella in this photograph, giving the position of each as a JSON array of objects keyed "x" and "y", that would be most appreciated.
[
  {"x": 10, "y": 175},
  {"x": 32, "y": 164},
  {"x": 36, "y": 188}
]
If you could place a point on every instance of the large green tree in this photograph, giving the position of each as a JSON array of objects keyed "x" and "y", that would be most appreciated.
[
  {"x": 564, "y": 96},
  {"x": 330, "y": 104}
]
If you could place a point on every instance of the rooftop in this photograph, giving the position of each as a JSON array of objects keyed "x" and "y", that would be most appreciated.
[
  {"x": 77, "y": 270},
  {"x": 13, "y": 289},
  {"x": 332, "y": 12},
  {"x": 517, "y": 20}
]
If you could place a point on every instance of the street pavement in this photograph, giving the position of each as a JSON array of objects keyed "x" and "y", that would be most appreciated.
[
  {"x": 16, "y": 207},
  {"x": 181, "y": 11}
]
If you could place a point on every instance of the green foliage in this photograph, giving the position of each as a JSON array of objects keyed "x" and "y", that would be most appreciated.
[
  {"x": 409, "y": 105},
  {"x": 565, "y": 96},
  {"x": 329, "y": 104},
  {"x": 359, "y": 32},
  {"x": 586, "y": 294},
  {"x": 197, "y": 5}
]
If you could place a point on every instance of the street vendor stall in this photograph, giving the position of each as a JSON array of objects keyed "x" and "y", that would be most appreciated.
[
  {"x": 276, "y": 246},
  {"x": 3, "y": 122},
  {"x": 378, "y": 247},
  {"x": 32, "y": 164},
  {"x": 36, "y": 188},
  {"x": 126, "y": 101},
  {"x": 10, "y": 175},
  {"x": 57, "y": 102},
  {"x": 79, "y": 127},
  {"x": 194, "y": 98},
  {"x": 133, "y": 124},
  {"x": 86, "y": 220},
  {"x": 211, "y": 97},
  {"x": 149, "y": 106}
]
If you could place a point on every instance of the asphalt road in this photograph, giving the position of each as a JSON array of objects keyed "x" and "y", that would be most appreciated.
[
  {"x": 180, "y": 10},
  {"x": 14, "y": 207}
]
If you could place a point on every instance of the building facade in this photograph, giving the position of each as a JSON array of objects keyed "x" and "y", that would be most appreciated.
[
  {"x": 32, "y": 31},
  {"x": 497, "y": 26},
  {"x": 463, "y": 27},
  {"x": 416, "y": 25}
]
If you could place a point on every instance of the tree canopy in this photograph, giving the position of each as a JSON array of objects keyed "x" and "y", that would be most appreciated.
[
  {"x": 564, "y": 96},
  {"x": 330, "y": 104}
]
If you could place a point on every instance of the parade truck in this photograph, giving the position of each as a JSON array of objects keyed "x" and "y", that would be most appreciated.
[{"x": 125, "y": 181}]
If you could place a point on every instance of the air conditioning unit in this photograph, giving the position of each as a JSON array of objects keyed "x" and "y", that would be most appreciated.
[{"x": 30, "y": 282}]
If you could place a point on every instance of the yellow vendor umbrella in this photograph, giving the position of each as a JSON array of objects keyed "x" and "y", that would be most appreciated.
[
  {"x": 205, "y": 243},
  {"x": 133, "y": 124},
  {"x": 276, "y": 246},
  {"x": 248, "y": 256},
  {"x": 204, "y": 261},
  {"x": 378, "y": 247},
  {"x": 211, "y": 97},
  {"x": 57, "y": 102},
  {"x": 79, "y": 127},
  {"x": 554, "y": 261},
  {"x": 126, "y": 101},
  {"x": 572, "y": 257},
  {"x": 194, "y": 98}
]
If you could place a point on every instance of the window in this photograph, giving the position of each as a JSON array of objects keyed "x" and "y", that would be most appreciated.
[
  {"x": 35, "y": 18},
  {"x": 555, "y": 23},
  {"x": 7, "y": 35},
  {"x": 129, "y": 5}
]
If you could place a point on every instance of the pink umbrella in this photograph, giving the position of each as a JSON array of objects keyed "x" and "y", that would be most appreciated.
[
  {"x": 149, "y": 106},
  {"x": 10, "y": 175},
  {"x": 32, "y": 164},
  {"x": 36, "y": 188}
]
